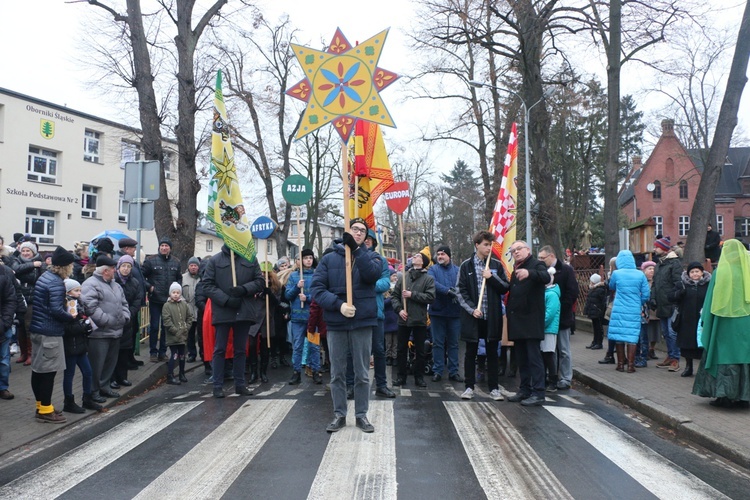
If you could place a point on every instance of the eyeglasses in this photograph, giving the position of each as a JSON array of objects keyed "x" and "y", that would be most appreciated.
[
  {"x": 542, "y": 256},
  {"x": 516, "y": 249},
  {"x": 357, "y": 230}
]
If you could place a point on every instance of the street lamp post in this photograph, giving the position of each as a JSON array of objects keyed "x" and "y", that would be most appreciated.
[
  {"x": 526, "y": 113},
  {"x": 473, "y": 215}
]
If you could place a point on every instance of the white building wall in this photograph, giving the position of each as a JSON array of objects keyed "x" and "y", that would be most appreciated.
[{"x": 21, "y": 120}]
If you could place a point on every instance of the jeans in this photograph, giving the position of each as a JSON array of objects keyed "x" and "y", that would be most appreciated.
[
  {"x": 641, "y": 353},
  {"x": 240, "y": 331},
  {"x": 445, "y": 333},
  {"x": 5, "y": 359},
  {"x": 565, "y": 364},
  {"x": 82, "y": 362},
  {"x": 378, "y": 354},
  {"x": 153, "y": 331},
  {"x": 670, "y": 337},
  {"x": 299, "y": 334},
  {"x": 359, "y": 343}
]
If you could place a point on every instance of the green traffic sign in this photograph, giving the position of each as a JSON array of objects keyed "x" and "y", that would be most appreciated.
[{"x": 297, "y": 190}]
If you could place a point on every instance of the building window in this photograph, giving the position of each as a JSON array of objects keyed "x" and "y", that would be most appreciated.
[
  {"x": 269, "y": 245},
  {"x": 684, "y": 225},
  {"x": 209, "y": 245},
  {"x": 130, "y": 152},
  {"x": 167, "y": 165},
  {"x": 657, "y": 190},
  {"x": 42, "y": 165},
  {"x": 122, "y": 216},
  {"x": 41, "y": 225},
  {"x": 742, "y": 227},
  {"x": 683, "y": 190},
  {"x": 293, "y": 231},
  {"x": 89, "y": 201},
  {"x": 720, "y": 224},
  {"x": 659, "y": 227},
  {"x": 91, "y": 141}
]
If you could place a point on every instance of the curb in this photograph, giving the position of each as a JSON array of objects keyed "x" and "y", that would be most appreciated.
[{"x": 682, "y": 425}]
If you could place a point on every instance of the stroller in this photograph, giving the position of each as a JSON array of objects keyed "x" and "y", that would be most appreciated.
[{"x": 411, "y": 358}]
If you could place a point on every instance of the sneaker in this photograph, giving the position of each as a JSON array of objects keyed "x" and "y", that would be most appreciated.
[
  {"x": 468, "y": 393},
  {"x": 562, "y": 386},
  {"x": 154, "y": 359},
  {"x": 674, "y": 366},
  {"x": 496, "y": 395},
  {"x": 6, "y": 394},
  {"x": 596, "y": 347},
  {"x": 551, "y": 388},
  {"x": 14, "y": 349},
  {"x": 666, "y": 363}
]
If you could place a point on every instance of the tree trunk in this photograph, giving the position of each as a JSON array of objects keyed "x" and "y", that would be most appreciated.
[
  {"x": 727, "y": 121},
  {"x": 611, "y": 236}
]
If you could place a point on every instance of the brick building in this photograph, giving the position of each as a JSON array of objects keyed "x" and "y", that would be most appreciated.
[{"x": 664, "y": 189}]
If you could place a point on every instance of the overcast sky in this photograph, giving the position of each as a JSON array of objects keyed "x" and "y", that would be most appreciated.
[{"x": 38, "y": 47}]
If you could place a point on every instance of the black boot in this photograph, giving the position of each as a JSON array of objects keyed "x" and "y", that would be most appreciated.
[
  {"x": 71, "y": 406},
  {"x": 263, "y": 370},
  {"x": 172, "y": 380},
  {"x": 274, "y": 362},
  {"x": 253, "y": 370},
  {"x": 296, "y": 378},
  {"x": 503, "y": 362},
  {"x": 283, "y": 361},
  {"x": 90, "y": 404},
  {"x": 688, "y": 368},
  {"x": 317, "y": 378}
]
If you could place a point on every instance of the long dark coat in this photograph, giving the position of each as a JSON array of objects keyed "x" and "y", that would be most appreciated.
[
  {"x": 217, "y": 281},
  {"x": 525, "y": 306},
  {"x": 468, "y": 298}
]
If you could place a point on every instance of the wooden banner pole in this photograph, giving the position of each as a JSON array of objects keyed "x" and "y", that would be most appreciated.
[
  {"x": 347, "y": 250},
  {"x": 268, "y": 306},
  {"x": 403, "y": 258},
  {"x": 484, "y": 282},
  {"x": 299, "y": 246}
]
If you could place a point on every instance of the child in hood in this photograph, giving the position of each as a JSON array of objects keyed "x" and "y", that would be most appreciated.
[
  {"x": 177, "y": 318},
  {"x": 596, "y": 306}
]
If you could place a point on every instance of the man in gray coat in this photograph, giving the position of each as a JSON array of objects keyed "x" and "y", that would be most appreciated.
[{"x": 106, "y": 305}]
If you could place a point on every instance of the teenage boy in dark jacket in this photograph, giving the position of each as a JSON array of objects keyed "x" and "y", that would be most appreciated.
[{"x": 160, "y": 271}]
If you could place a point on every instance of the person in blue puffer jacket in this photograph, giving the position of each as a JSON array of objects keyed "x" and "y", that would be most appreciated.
[
  {"x": 48, "y": 319},
  {"x": 349, "y": 325},
  {"x": 299, "y": 283},
  {"x": 633, "y": 291}
]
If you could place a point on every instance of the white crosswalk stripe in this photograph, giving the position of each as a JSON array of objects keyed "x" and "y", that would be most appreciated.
[
  {"x": 659, "y": 475},
  {"x": 64, "y": 472},
  {"x": 359, "y": 465},
  {"x": 504, "y": 463},
  {"x": 209, "y": 469}
]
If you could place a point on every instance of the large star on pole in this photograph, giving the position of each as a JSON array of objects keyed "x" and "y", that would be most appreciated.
[
  {"x": 342, "y": 85},
  {"x": 226, "y": 174}
]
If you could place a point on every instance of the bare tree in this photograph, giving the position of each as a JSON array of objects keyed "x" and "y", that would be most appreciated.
[
  {"x": 182, "y": 228},
  {"x": 727, "y": 121}
]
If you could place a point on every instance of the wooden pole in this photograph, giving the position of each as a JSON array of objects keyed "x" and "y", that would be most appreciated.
[
  {"x": 403, "y": 258},
  {"x": 268, "y": 306},
  {"x": 484, "y": 282},
  {"x": 299, "y": 246},
  {"x": 234, "y": 271},
  {"x": 347, "y": 250}
]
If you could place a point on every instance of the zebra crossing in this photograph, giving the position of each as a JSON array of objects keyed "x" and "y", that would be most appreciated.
[{"x": 220, "y": 454}]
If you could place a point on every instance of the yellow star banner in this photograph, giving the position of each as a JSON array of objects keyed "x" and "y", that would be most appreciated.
[
  {"x": 225, "y": 207},
  {"x": 342, "y": 85}
]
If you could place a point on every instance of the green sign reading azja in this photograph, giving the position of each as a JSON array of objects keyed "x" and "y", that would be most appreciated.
[{"x": 297, "y": 190}]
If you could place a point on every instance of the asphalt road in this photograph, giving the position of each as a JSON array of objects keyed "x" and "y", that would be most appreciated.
[{"x": 178, "y": 442}]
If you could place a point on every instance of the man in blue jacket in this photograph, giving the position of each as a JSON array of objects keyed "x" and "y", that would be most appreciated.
[
  {"x": 349, "y": 325},
  {"x": 444, "y": 315}
]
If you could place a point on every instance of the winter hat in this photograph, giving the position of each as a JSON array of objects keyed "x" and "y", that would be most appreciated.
[
  {"x": 371, "y": 234},
  {"x": 283, "y": 260},
  {"x": 444, "y": 248},
  {"x": 194, "y": 260},
  {"x": 426, "y": 257},
  {"x": 61, "y": 257},
  {"x": 358, "y": 220},
  {"x": 17, "y": 237},
  {"x": 105, "y": 245},
  {"x": 663, "y": 243},
  {"x": 165, "y": 241},
  {"x": 175, "y": 286},
  {"x": 306, "y": 252},
  {"x": 127, "y": 242},
  {"x": 27, "y": 244},
  {"x": 595, "y": 279},
  {"x": 647, "y": 264},
  {"x": 71, "y": 285},
  {"x": 103, "y": 260},
  {"x": 694, "y": 265},
  {"x": 125, "y": 259}
]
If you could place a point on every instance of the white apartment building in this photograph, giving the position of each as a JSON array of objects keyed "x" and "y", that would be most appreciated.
[{"x": 62, "y": 173}]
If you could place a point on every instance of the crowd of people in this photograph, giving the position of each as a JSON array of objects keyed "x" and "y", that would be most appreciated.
[{"x": 78, "y": 310}]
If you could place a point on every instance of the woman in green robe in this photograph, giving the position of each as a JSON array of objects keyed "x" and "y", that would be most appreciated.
[{"x": 724, "y": 371}]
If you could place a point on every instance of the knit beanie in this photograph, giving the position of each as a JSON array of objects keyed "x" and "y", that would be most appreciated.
[
  {"x": 194, "y": 260},
  {"x": 694, "y": 265},
  {"x": 175, "y": 286},
  {"x": 165, "y": 241},
  {"x": 445, "y": 249},
  {"x": 27, "y": 244},
  {"x": 663, "y": 243},
  {"x": 71, "y": 285},
  {"x": 647, "y": 264},
  {"x": 595, "y": 279},
  {"x": 61, "y": 257},
  {"x": 125, "y": 259}
]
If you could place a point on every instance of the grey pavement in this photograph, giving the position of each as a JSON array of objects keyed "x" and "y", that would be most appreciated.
[{"x": 657, "y": 393}]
